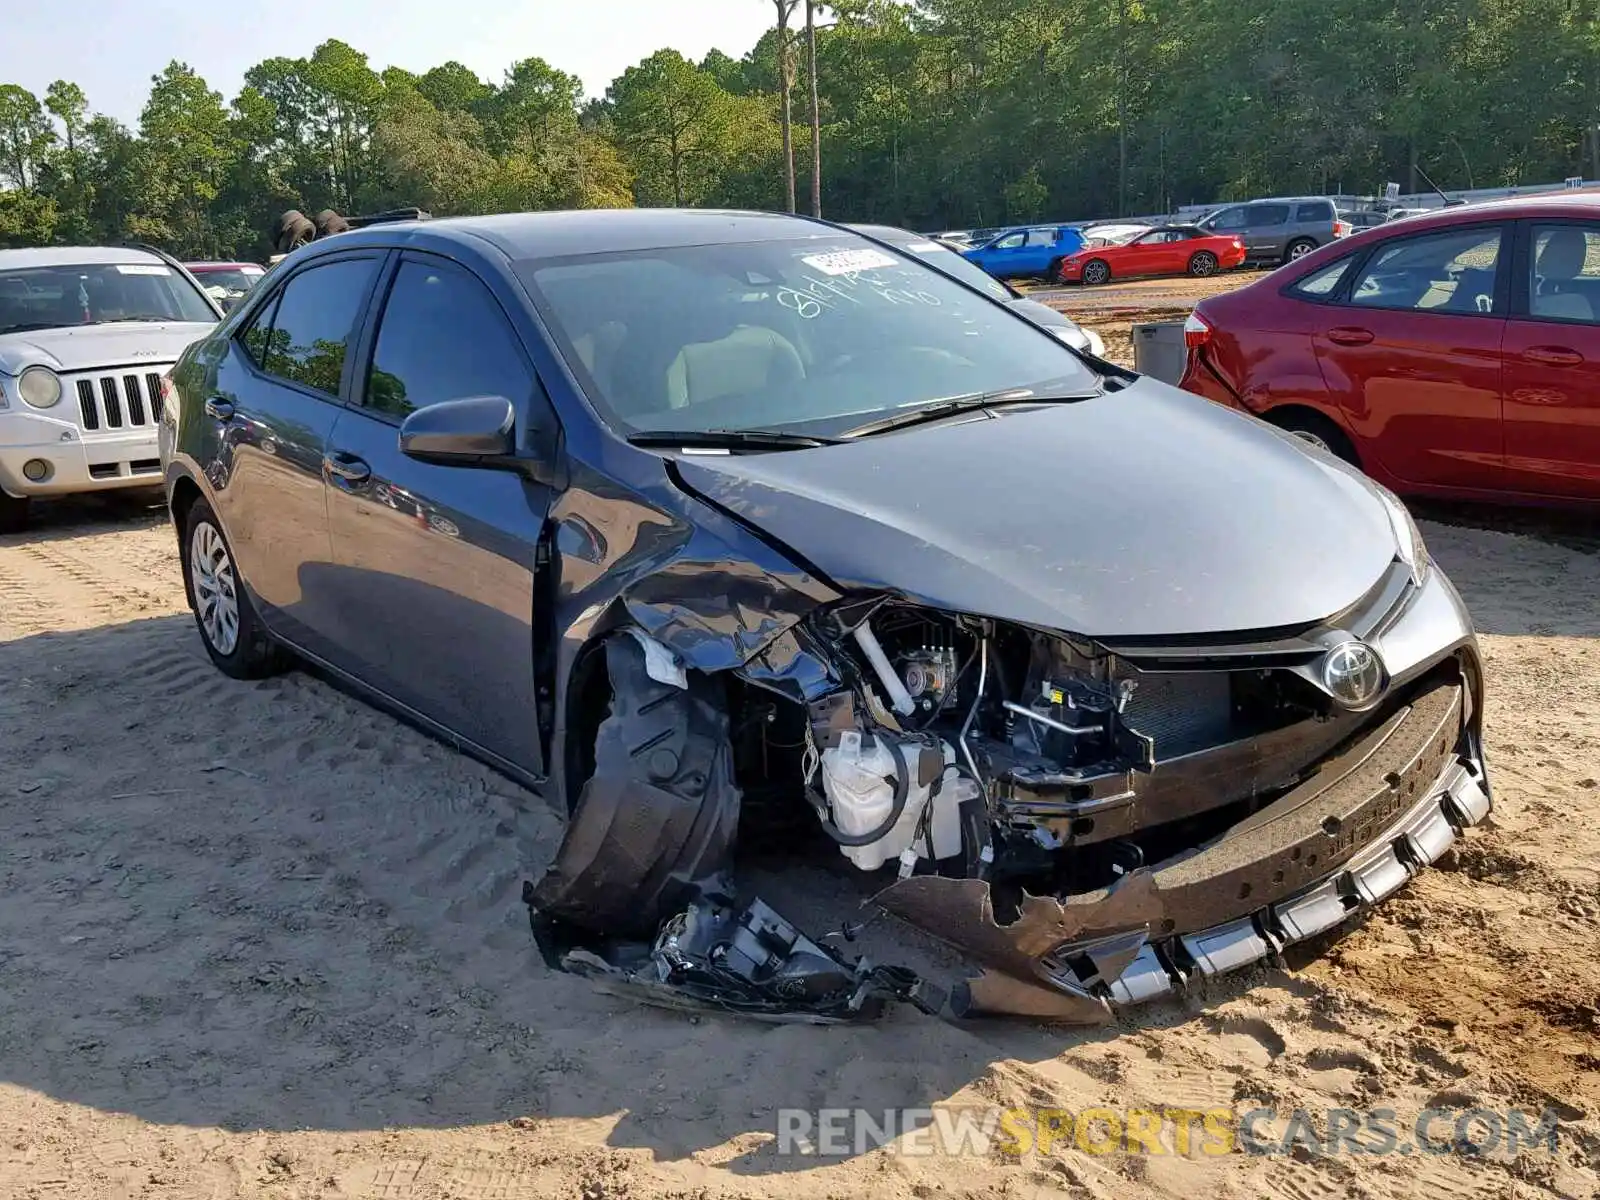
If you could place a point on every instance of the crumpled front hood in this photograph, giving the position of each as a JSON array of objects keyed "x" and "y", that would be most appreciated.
[
  {"x": 1144, "y": 512},
  {"x": 88, "y": 347}
]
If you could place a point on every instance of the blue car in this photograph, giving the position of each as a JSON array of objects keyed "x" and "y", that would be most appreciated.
[{"x": 1025, "y": 253}]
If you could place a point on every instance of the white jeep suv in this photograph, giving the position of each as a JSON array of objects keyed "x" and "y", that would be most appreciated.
[{"x": 86, "y": 335}]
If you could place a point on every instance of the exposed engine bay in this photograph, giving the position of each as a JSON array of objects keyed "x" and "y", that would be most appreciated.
[{"x": 1045, "y": 804}]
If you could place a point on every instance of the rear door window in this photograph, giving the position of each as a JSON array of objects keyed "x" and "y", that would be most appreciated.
[
  {"x": 1319, "y": 285},
  {"x": 1263, "y": 216},
  {"x": 1564, "y": 270},
  {"x": 1450, "y": 272}
]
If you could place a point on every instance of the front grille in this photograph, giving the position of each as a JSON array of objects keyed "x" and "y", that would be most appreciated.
[{"x": 119, "y": 401}]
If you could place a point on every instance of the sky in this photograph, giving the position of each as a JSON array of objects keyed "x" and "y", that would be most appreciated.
[{"x": 111, "y": 48}]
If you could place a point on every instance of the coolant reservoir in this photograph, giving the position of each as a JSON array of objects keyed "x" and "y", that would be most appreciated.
[{"x": 858, "y": 779}]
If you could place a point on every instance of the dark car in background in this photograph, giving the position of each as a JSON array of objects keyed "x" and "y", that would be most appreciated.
[
  {"x": 947, "y": 260},
  {"x": 1279, "y": 230},
  {"x": 1359, "y": 219},
  {"x": 698, "y": 522},
  {"x": 1453, "y": 354}
]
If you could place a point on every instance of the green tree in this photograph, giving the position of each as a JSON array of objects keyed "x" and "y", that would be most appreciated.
[
  {"x": 678, "y": 128},
  {"x": 185, "y": 149},
  {"x": 25, "y": 136}
]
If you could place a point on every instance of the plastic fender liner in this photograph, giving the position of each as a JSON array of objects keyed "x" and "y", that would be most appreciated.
[{"x": 654, "y": 825}]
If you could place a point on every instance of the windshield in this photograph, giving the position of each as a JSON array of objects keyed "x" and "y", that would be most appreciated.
[
  {"x": 810, "y": 335},
  {"x": 96, "y": 294},
  {"x": 232, "y": 281}
]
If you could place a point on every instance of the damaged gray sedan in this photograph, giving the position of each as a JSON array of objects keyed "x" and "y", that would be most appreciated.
[{"x": 714, "y": 525}]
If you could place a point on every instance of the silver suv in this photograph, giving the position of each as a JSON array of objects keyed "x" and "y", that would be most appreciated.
[
  {"x": 86, "y": 335},
  {"x": 1280, "y": 230}
]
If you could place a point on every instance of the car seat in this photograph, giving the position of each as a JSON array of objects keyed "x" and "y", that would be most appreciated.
[
  {"x": 1561, "y": 261},
  {"x": 750, "y": 358}
]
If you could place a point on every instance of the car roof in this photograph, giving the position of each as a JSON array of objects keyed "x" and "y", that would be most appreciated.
[
  {"x": 73, "y": 256},
  {"x": 893, "y": 233},
  {"x": 210, "y": 265},
  {"x": 1583, "y": 205},
  {"x": 521, "y": 236}
]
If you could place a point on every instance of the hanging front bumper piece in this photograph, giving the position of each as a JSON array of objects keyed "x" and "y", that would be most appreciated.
[
  {"x": 1349, "y": 837},
  {"x": 641, "y": 896}
]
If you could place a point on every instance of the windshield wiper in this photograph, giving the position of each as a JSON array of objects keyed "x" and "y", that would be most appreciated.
[
  {"x": 956, "y": 405},
  {"x": 30, "y": 326},
  {"x": 729, "y": 439}
]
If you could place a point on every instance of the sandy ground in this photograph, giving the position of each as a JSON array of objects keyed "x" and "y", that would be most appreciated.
[
  {"x": 262, "y": 940},
  {"x": 1112, "y": 310}
]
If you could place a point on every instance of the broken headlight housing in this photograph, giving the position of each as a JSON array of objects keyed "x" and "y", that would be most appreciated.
[{"x": 1409, "y": 546}]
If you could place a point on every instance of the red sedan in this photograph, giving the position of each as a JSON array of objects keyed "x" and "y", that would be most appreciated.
[
  {"x": 1453, "y": 355},
  {"x": 1165, "y": 250}
]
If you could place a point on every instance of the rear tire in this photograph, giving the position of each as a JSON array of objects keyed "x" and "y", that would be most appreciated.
[
  {"x": 1319, "y": 431},
  {"x": 232, "y": 634},
  {"x": 13, "y": 513},
  {"x": 1096, "y": 271},
  {"x": 1203, "y": 264},
  {"x": 1298, "y": 249}
]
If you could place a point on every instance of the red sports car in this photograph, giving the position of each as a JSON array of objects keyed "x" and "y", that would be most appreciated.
[
  {"x": 1165, "y": 250},
  {"x": 1451, "y": 355}
]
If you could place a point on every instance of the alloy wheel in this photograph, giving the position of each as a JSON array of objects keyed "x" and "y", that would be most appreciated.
[{"x": 216, "y": 598}]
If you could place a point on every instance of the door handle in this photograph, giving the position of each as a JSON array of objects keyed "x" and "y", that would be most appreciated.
[
  {"x": 347, "y": 467},
  {"x": 1553, "y": 356},
  {"x": 1349, "y": 335},
  {"x": 222, "y": 410}
]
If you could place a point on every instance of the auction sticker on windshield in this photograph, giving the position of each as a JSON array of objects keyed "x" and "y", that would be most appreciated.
[
  {"x": 849, "y": 262},
  {"x": 142, "y": 269}
]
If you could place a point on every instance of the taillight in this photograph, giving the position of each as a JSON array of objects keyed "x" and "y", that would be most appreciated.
[
  {"x": 1342, "y": 229},
  {"x": 1196, "y": 332}
]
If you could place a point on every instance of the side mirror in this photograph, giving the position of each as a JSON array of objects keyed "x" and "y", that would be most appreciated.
[{"x": 479, "y": 430}]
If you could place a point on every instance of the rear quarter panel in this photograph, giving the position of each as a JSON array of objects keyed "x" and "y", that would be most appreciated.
[{"x": 1261, "y": 352}]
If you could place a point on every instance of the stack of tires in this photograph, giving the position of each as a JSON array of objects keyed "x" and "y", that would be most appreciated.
[{"x": 294, "y": 229}]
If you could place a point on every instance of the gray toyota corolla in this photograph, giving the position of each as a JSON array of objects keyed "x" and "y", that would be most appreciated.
[{"x": 701, "y": 523}]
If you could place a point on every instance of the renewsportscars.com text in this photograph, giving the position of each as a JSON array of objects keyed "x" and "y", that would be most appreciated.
[{"x": 842, "y": 1132}]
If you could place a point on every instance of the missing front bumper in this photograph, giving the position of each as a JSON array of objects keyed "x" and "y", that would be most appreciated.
[
  {"x": 1346, "y": 839},
  {"x": 640, "y": 898}
]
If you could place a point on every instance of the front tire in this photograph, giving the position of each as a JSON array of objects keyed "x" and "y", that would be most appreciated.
[
  {"x": 1203, "y": 265},
  {"x": 13, "y": 513},
  {"x": 233, "y": 636},
  {"x": 1096, "y": 271}
]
